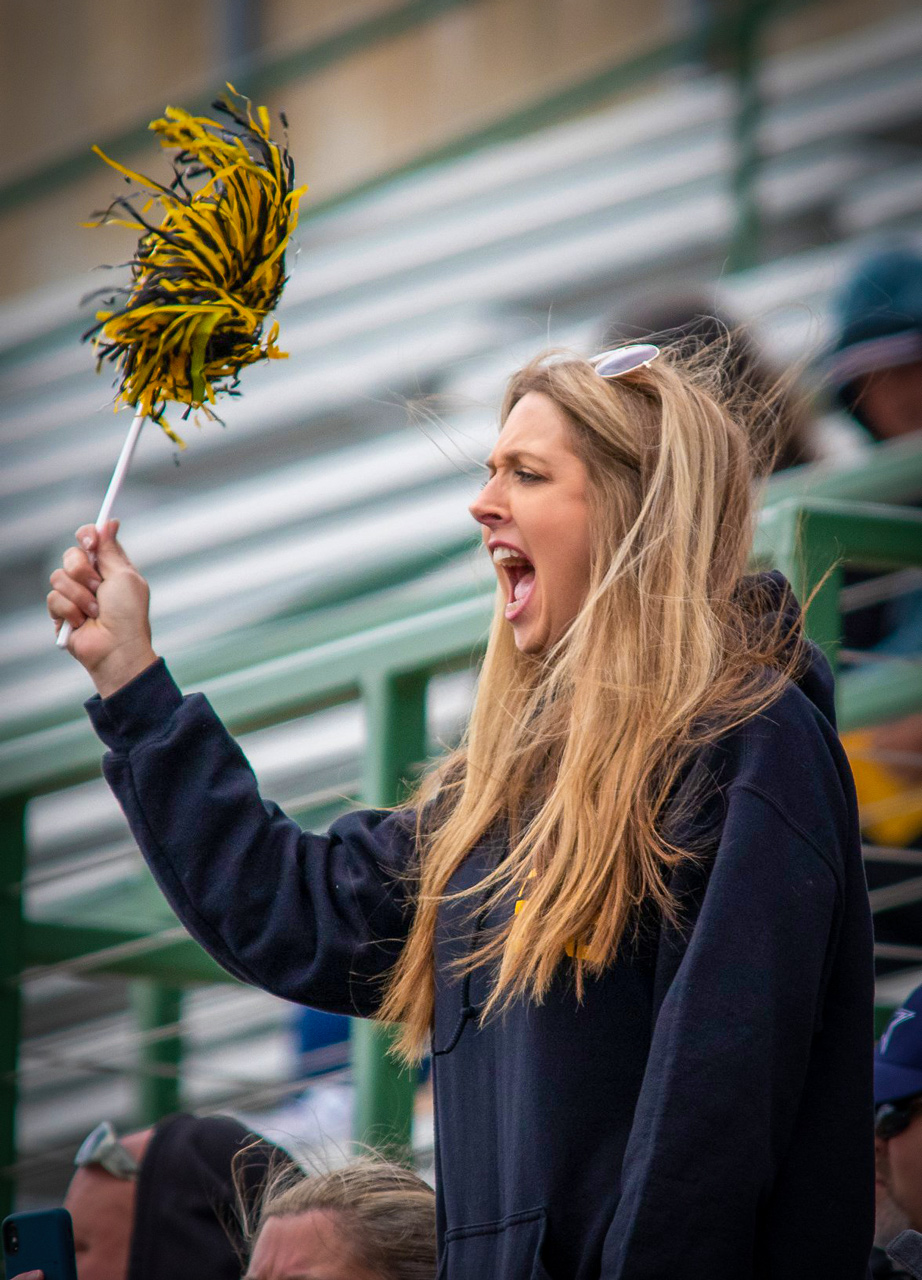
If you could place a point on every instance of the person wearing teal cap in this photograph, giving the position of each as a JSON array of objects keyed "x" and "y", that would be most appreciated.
[{"x": 875, "y": 366}]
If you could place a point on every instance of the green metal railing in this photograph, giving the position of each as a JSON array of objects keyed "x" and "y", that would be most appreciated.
[
  {"x": 812, "y": 541},
  {"x": 389, "y": 668}
]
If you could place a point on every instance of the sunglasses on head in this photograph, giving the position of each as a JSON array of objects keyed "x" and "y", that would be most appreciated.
[
  {"x": 102, "y": 1148},
  {"x": 612, "y": 364},
  {"x": 892, "y": 1118}
]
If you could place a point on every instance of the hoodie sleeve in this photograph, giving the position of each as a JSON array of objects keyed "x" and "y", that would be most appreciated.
[
  {"x": 740, "y": 1062},
  {"x": 314, "y": 919}
]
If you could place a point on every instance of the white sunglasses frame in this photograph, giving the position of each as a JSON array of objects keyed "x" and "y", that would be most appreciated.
[
  {"x": 102, "y": 1147},
  {"x": 637, "y": 354}
]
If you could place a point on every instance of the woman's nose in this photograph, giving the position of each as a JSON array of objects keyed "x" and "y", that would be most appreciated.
[{"x": 487, "y": 507}]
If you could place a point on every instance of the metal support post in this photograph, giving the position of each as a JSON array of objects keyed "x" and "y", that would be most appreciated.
[
  {"x": 12, "y": 870},
  {"x": 746, "y": 236},
  {"x": 810, "y": 559},
  {"x": 160, "y": 1059},
  {"x": 395, "y": 708},
  {"x": 823, "y": 616},
  {"x": 384, "y": 1092},
  {"x": 395, "y": 718}
]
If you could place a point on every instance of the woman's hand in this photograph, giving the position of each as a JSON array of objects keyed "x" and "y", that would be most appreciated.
[{"x": 104, "y": 598}]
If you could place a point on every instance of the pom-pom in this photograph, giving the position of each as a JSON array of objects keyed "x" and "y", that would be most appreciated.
[{"x": 205, "y": 278}]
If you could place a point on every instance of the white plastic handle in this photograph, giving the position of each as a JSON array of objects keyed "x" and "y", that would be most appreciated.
[{"x": 108, "y": 502}]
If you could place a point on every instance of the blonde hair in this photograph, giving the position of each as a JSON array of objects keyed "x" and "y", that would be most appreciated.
[
  {"x": 576, "y": 753},
  {"x": 385, "y": 1213}
]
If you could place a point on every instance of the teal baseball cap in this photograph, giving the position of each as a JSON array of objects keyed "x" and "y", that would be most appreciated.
[{"x": 878, "y": 320}]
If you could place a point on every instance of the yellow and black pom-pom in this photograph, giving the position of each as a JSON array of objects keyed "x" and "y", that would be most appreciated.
[{"x": 205, "y": 278}]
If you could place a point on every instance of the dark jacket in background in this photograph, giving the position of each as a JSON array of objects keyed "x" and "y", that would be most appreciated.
[{"x": 704, "y": 1113}]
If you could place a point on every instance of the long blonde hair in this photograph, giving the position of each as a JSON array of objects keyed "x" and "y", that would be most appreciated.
[{"x": 575, "y": 754}]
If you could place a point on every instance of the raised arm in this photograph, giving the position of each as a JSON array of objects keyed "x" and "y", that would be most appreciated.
[{"x": 317, "y": 919}]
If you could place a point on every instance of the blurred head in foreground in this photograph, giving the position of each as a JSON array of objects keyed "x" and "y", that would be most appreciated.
[
  {"x": 161, "y": 1202},
  {"x": 875, "y": 367},
  {"x": 369, "y": 1220}
]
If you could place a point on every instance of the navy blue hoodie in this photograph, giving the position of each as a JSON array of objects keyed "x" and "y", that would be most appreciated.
[{"x": 704, "y": 1113}]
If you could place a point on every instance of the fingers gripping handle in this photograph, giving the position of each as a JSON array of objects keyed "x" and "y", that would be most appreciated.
[{"x": 108, "y": 502}]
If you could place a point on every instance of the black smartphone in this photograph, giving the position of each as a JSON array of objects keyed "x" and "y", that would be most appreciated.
[{"x": 42, "y": 1240}]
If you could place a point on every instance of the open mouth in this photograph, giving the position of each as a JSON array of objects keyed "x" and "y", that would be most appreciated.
[{"x": 519, "y": 573}]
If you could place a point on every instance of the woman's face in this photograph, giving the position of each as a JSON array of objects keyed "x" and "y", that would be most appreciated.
[
  {"x": 891, "y": 400},
  {"x": 899, "y": 1171},
  {"x": 305, "y": 1246},
  {"x": 534, "y": 510}
]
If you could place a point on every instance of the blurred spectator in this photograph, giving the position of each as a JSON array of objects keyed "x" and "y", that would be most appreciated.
[
  {"x": 688, "y": 320},
  {"x": 322, "y": 1114},
  {"x": 322, "y": 1041},
  {"x": 369, "y": 1220},
  {"x": 875, "y": 371},
  {"x": 324, "y": 1110},
  {"x": 898, "y": 1141},
  {"x": 875, "y": 368},
  {"x": 161, "y": 1203}
]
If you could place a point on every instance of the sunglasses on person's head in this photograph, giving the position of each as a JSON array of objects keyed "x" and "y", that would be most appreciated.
[
  {"x": 892, "y": 1118},
  {"x": 612, "y": 364},
  {"x": 102, "y": 1147}
]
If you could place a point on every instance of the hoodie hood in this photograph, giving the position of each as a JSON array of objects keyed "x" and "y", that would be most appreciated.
[{"x": 185, "y": 1225}]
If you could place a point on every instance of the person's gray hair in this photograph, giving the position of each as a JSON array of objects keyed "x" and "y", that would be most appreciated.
[{"x": 387, "y": 1213}]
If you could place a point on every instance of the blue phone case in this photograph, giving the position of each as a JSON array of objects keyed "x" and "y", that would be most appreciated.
[{"x": 42, "y": 1240}]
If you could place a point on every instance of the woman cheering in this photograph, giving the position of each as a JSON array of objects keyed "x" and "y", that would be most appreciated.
[{"x": 627, "y": 916}]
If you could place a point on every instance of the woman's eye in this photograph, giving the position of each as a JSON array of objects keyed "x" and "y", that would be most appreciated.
[{"x": 527, "y": 477}]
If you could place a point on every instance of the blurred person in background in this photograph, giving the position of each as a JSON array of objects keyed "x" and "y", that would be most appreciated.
[
  {"x": 323, "y": 1112},
  {"x": 368, "y": 1220},
  {"x": 690, "y": 321},
  {"x": 875, "y": 372},
  {"x": 875, "y": 366},
  {"x": 898, "y": 1130},
  {"x": 161, "y": 1204}
]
